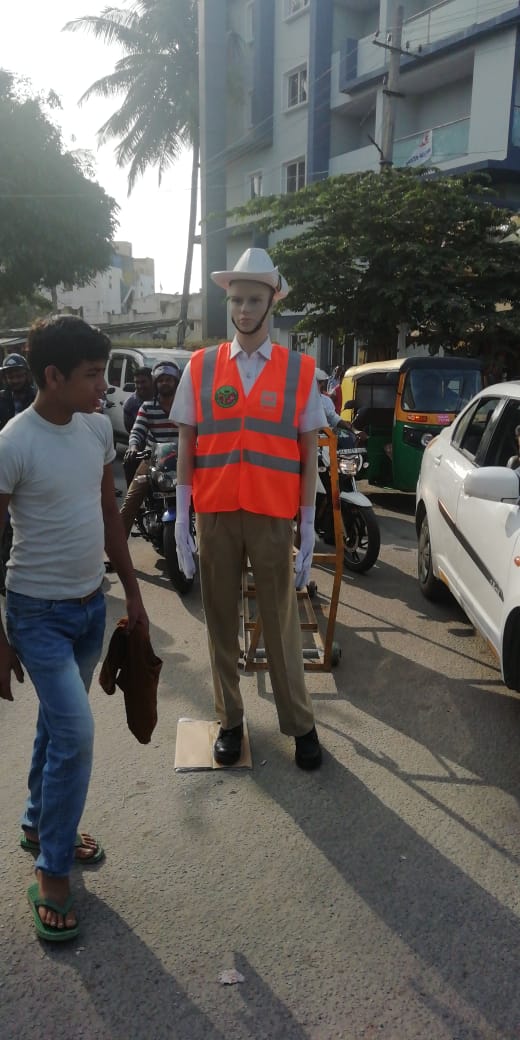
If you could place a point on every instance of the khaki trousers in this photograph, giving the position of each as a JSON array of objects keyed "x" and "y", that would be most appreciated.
[
  {"x": 224, "y": 539},
  {"x": 135, "y": 495}
]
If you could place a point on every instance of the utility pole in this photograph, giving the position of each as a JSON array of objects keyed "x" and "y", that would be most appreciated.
[{"x": 391, "y": 89}]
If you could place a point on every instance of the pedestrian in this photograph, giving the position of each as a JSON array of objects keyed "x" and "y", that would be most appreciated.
[
  {"x": 152, "y": 426},
  {"x": 249, "y": 414},
  {"x": 144, "y": 391},
  {"x": 56, "y": 478},
  {"x": 14, "y": 398},
  {"x": 19, "y": 392}
]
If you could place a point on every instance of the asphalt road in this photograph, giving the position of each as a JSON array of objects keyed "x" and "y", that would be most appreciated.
[{"x": 378, "y": 898}]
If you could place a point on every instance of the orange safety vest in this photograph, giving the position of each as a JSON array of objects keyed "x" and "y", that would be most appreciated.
[{"x": 247, "y": 454}]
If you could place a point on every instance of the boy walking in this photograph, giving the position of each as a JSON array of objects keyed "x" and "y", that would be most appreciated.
[{"x": 56, "y": 480}]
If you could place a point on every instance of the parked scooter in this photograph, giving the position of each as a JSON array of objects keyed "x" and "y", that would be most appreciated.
[
  {"x": 156, "y": 520},
  {"x": 361, "y": 536}
]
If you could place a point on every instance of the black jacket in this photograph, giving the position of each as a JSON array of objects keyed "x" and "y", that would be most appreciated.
[{"x": 7, "y": 408}]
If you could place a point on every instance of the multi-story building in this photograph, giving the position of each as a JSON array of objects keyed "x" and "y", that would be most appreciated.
[
  {"x": 305, "y": 101},
  {"x": 111, "y": 292}
]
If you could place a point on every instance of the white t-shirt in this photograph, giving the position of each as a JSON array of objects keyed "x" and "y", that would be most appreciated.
[
  {"x": 249, "y": 368},
  {"x": 53, "y": 474}
]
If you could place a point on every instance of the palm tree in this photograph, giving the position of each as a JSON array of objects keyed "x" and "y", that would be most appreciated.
[{"x": 158, "y": 74}]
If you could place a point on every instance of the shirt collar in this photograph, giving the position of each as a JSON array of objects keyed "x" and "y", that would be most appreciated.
[{"x": 264, "y": 349}]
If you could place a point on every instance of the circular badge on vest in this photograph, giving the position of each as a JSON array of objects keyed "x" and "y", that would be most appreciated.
[{"x": 226, "y": 396}]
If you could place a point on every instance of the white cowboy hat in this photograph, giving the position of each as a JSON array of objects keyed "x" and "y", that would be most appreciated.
[
  {"x": 255, "y": 265},
  {"x": 321, "y": 375}
]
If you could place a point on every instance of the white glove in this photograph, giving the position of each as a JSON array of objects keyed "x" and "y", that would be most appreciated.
[
  {"x": 303, "y": 561},
  {"x": 183, "y": 540}
]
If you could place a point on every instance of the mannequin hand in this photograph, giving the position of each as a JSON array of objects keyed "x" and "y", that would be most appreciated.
[
  {"x": 185, "y": 548},
  {"x": 303, "y": 561},
  {"x": 183, "y": 540}
]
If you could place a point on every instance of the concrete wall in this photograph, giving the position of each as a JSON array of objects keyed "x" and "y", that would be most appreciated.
[{"x": 491, "y": 98}]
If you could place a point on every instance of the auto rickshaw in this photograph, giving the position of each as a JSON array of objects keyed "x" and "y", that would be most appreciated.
[{"x": 401, "y": 404}]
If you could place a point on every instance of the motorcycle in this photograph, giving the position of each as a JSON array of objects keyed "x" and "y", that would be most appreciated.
[
  {"x": 361, "y": 535},
  {"x": 156, "y": 520}
]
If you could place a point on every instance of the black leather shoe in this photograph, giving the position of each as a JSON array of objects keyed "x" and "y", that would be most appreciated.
[
  {"x": 308, "y": 750},
  {"x": 228, "y": 745}
]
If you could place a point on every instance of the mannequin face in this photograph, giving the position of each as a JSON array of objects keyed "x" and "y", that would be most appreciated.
[{"x": 248, "y": 303}]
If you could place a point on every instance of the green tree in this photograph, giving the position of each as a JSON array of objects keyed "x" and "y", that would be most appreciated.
[
  {"x": 56, "y": 225},
  {"x": 18, "y": 314},
  {"x": 365, "y": 253},
  {"x": 158, "y": 76}
]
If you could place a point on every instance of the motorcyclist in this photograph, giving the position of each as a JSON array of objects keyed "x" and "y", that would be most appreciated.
[
  {"x": 333, "y": 419},
  {"x": 152, "y": 426},
  {"x": 19, "y": 392}
]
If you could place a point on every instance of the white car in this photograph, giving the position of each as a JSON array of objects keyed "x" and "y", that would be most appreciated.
[
  {"x": 119, "y": 375},
  {"x": 468, "y": 520}
]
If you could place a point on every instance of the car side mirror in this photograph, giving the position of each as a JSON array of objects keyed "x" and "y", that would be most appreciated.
[
  {"x": 110, "y": 390},
  {"x": 129, "y": 388},
  {"x": 349, "y": 404},
  {"x": 493, "y": 484}
]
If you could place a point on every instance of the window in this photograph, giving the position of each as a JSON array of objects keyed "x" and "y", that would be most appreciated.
[
  {"x": 250, "y": 32},
  {"x": 470, "y": 431},
  {"x": 294, "y": 175},
  {"x": 294, "y": 6},
  {"x": 297, "y": 87},
  {"x": 115, "y": 370},
  {"x": 255, "y": 185},
  {"x": 298, "y": 342}
]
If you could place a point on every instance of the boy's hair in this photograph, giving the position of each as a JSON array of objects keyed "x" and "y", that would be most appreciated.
[
  {"x": 143, "y": 371},
  {"x": 64, "y": 341}
]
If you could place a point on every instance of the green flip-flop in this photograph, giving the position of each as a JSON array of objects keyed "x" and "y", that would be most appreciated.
[
  {"x": 34, "y": 846},
  {"x": 44, "y": 930}
]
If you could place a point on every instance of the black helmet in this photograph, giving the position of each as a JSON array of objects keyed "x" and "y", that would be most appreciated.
[{"x": 15, "y": 361}]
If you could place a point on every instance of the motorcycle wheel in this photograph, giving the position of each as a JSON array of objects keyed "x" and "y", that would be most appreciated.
[
  {"x": 361, "y": 537},
  {"x": 180, "y": 582}
]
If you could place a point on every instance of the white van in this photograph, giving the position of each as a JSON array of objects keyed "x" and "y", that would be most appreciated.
[{"x": 122, "y": 365}]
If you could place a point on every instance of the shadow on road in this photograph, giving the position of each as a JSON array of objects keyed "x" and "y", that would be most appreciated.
[{"x": 431, "y": 905}]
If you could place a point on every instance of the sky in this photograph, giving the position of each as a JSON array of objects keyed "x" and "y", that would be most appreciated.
[{"x": 154, "y": 219}]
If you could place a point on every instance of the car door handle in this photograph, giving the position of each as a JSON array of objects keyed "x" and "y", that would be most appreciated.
[{"x": 110, "y": 404}]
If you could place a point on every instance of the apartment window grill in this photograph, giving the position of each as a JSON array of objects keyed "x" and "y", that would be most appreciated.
[
  {"x": 294, "y": 6},
  {"x": 298, "y": 342},
  {"x": 255, "y": 185},
  {"x": 295, "y": 175},
  {"x": 297, "y": 87}
]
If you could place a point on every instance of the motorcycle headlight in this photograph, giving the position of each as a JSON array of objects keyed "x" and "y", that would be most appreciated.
[
  {"x": 165, "y": 481},
  {"x": 349, "y": 465}
]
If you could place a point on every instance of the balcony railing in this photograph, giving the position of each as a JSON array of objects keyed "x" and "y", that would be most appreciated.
[
  {"x": 448, "y": 142},
  {"x": 439, "y": 21},
  {"x": 451, "y": 16}
]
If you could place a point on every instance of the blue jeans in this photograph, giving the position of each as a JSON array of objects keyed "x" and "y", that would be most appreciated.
[{"x": 59, "y": 642}]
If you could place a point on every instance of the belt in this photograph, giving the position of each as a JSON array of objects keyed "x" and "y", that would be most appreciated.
[{"x": 85, "y": 599}]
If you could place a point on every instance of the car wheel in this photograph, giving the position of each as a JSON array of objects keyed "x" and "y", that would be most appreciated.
[
  {"x": 430, "y": 586},
  {"x": 511, "y": 651}
]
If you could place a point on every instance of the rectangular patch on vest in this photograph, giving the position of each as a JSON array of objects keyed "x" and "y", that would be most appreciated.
[{"x": 268, "y": 398}]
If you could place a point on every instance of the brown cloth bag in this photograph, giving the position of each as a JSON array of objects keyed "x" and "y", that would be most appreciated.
[{"x": 132, "y": 665}]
